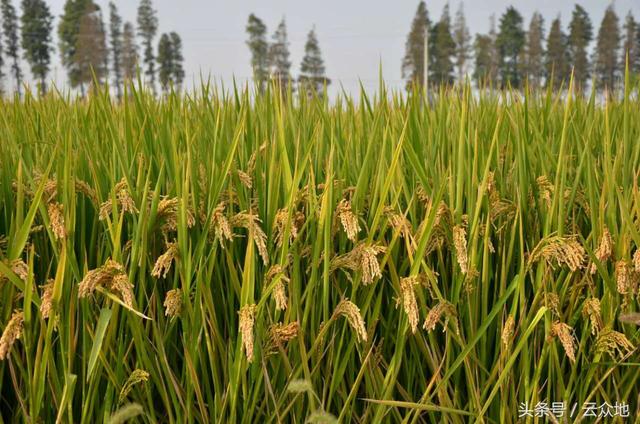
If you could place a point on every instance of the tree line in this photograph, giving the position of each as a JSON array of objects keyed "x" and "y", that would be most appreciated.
[
  {"x": 510, "y": 55},
  {"x": 270, "y": 60},
  {"x": 89, "y": 51}
]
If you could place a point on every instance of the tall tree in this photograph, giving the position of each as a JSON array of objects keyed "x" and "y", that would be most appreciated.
[
  {"x": 91, "y": 51},
  {"x": 441, "y": 50},
  {"x": 462, "y": 39},
  {"x": 483, "y": 66},
  {"x": 36, "y": 29},
  {"x": 170, "y": 67},
  {"x": 257, "y": 42},
  {"x": 580, "y": 35},
  {"x": 165, "y": 62},
  {"x": 312, "y": 71},
  {"x": 413, "y": 61},
  {"x": 178, "y": 59},
  {"x": 607, "y": 65},
  {"x": 12, "y": 40},
  {"x": 147, "y": 29},
  {"x": 115, "y": 45},
  {"x": 630, "y": 46},
  {"x": 279, "y": 56},
  {"x": 557, "y": 63},
  {"x": 635, "y": 62},
  {"x": 68, "y": 30},
  {"x": 534, "y": 66},
  {"x": 1, "y": 66},
  {"x": 129, "y": 52},
  {"x": 510, "y": 43}
]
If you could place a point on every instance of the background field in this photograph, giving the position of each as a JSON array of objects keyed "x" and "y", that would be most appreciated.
[{"x": 223, "y": 258}]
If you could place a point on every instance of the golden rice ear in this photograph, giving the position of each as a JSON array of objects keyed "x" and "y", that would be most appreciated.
[
  {"x": 46, "y": 305},
  {"x": 20, "y": 268},
  {"x": 56, "y": 216},
  {"x": 279, "y": 335},
  {"x": 247, "y": 320},
  {"x": 348, "y": 219},
  {"x": 508, "y": 331},
  {"x": 163, "y": 263},
  {"x": 84, "y": 188},
  {"x": 111, "y": 276},
  {"x": 369, "y": 263},
  {"x": 11, "y": 333},
  {"x": 565, "y": 334},
  {"x": 604, "y": 249},
  {"x": 614, "y": 343},
  {"x": 624, "y": 282},
  {"x": 245, "y": 179},
  {"x": 251, "y": 222},
  {"x": 351, "y": 312},
  {"x": 460, "y": 244},
  {"x": 136, "y": 376},
  {"x": 442, "y": 309},
  {"x": 591, "y": 310},
  {"x": 636, "y": 260},
  {"x": 220, "y": 228},
  {"x": 173, "y": 303},
  {"x": 409, "y": 303},
  {"x": 545, "y": 189},
  {"x": 279, "y": 291},
  {"x": 559, "y": 250}
]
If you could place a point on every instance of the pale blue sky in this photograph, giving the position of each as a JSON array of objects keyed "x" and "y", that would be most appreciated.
[{"x": 355, "y": 36}]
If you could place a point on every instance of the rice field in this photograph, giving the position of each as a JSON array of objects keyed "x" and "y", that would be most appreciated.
[{"x": 222, "y": 257}]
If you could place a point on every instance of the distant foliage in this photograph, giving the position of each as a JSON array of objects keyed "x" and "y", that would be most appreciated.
[
  {"x": 607, "y": 59},
  {"x": 580, "y": 35},
  {"x": 312, "y": 71},
  {"x": 36, "y": 25},
  {"x": 413, "y": 61},
  {"x": 12, "y": 40},
  {"x": 510, "y": 43},
  {"x": 279, "y": 56},
  {"x": 259, "y": 48},
  {"x": 147, "y": 29}
]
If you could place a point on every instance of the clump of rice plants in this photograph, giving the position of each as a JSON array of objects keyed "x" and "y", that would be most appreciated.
[{"x": 224, "y": 257}]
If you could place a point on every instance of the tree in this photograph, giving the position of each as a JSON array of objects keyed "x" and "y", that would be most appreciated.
[
  {"x": 1, "y": 65},
  {"x": 147, "y": 29},
  {"x": 115, "y": 44},
  {"x": 91, "y": 51},
  {"x": 557, "y": 63},
  {"x": 279, "y": 56},
  {"x": 413, "y": 61},
  {"x": 462, "y": 38},
  {"x": 607, "y": 66},
  {"x": 312, "y": 71},
  {"x": 129, "y": 52},
  {"x": 170, "y": 69},
  {"x": 580, "y": 35},
  {"x": 178, "y": 59},
  {"x": 165, "y": 62},
  {"x": 12, "y": 40},
  {"x": 441, "y": 50},
  {"x": 630, "y": 47},
  {"x": 534, "y": 67},
  {"x": 259, "y": 48},
  {"x": 36, "y": 23},
  {"x": 510, "y": 43},
  {"x": 68, "y": 30},
  {"x": 635, "y": 62},
  {"x": 483, "y": 66}
]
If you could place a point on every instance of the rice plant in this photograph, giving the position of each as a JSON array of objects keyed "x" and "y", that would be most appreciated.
[{"x": 222, "y": 257}]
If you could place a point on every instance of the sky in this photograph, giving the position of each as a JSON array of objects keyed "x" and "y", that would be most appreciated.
[{"x": 358, "y": 38}]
